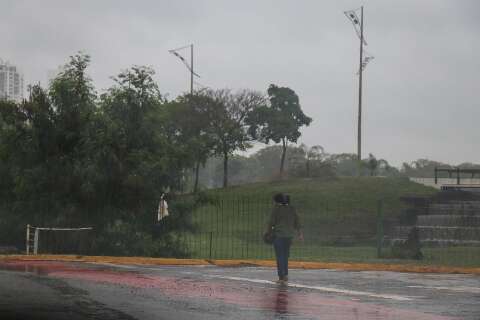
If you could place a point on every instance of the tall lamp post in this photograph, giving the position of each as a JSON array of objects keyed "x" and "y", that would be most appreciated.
[
  {"x": 360, "y": 73},
  {"x": 189, "y": 66},
  {"x": 192, "y": 73},
  {"x": 358, "y": 25}
]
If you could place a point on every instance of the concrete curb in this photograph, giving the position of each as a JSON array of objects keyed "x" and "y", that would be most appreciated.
[{"x": 242, "y": 263}]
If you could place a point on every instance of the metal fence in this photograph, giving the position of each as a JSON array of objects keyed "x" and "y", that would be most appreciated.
[
  {"x": 431, "y": 182},
  {"x": 232, "y": 228}
]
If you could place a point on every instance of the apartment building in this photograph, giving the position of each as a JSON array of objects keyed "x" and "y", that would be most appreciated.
[{"x": 11, "y": 82}]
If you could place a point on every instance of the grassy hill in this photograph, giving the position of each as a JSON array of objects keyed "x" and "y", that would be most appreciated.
[
  {"x": 346, "y": 206},
  {"x": 311, "y": 194},
  {"x": 342, "y": 212},
  {"x": 339, "y": 218}
]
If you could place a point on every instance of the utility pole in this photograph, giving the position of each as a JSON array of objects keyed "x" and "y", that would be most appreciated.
[{"x": 359, "y": 142}]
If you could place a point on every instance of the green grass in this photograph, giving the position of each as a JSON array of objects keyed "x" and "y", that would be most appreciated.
[
  {"x": 449, "y": 256},
  {"x": 339, "y": 219},
  {"x": 234, "y": 248},
  {"x": 346, "y": 207}
]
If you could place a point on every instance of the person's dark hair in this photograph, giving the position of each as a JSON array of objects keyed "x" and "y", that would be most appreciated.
[{"x": 281, "y": 198}]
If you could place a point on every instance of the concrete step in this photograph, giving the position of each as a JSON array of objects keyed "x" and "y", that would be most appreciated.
[
  {"x": 449, "y": 220},
  {"x": 440, "y": 233},
  {"x": 454, "y": 207},
  {"x": 438, "y": 242}
]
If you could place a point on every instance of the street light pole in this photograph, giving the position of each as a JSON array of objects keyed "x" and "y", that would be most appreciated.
[
  {"x": 192, "y": 73},
  {"x": 358, "y": 25},
  {"x": 184, "y": 61},
  {"x": 191, "y": 69},
  {"x": 359, "y": 142}
]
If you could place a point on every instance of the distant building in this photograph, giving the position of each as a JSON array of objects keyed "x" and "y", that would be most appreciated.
[{"x": 11, "y": 82}]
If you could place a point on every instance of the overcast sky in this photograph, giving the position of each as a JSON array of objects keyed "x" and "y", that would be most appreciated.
[{"x": 421, "y": 92}]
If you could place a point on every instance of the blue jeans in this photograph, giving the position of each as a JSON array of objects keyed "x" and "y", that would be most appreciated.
[{"x": 282, "y": 252}]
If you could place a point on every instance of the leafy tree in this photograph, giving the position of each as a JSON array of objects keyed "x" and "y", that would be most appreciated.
[
  {"x": 211, "y": 174},
  {"x": 280, "y": 120},
  {"x": 385, "y": 169},
  {"x": 309, "y": 162},
  {"x": 137, "y": 158},
  {"x": 314, "y": 156},
  {"x": 371, "y": 164},
  {"x": 227, "y": 115},
  {"x": 41, "y": 146},
  {"x": 263, "y": 166},
  {"x": 295, "y": 162},
  {"x": 69, "y": 158},
  {"x": 422, "y": 168},
  {"x": 425, "y": 168},
  {"x": 73, "y": 98},
  {"x": 190, "y": 120},
  {"x": 268, "y": 160}
]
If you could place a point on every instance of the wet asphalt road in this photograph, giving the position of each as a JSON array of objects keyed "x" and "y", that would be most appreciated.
[{"x": 56, "y": 290}]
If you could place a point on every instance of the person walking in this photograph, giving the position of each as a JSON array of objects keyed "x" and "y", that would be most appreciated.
[{"x": 284, "y": 222}]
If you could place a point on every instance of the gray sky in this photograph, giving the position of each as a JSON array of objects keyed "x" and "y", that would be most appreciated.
[{"x": 421, "y": 92}]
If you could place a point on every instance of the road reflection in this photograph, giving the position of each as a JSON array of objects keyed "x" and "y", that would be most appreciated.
[{"x": 281, "y": 302}]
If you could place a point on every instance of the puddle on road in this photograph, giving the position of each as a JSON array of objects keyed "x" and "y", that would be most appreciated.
[{"x": 35, "y": 267}]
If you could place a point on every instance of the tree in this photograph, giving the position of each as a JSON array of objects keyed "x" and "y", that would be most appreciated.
[
  {"x": 68, "y": 158},
  {"x": 42, "y": 145},
  {"x": 73, "y": 98},
  {"x": 372, "y": 164},
  {"x": 280, "y": 120},
  {"x": 190, "y": 121},
  {"x": 139, "y": 159},
  {"x": 227, "y": 115},
  {"x": 267, "y": 159},
  {"x": 314, "y": 156},
  {"x": 378, "y": 166},
  {"x": 422, "y": 168}
]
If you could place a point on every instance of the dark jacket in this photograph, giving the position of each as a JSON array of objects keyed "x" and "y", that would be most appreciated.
[{"x": 284, "y": 220}]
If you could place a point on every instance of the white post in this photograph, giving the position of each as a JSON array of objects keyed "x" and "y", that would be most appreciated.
[
  {"x": 35, "y": 243},
  {"x": 28, "y": 239}
]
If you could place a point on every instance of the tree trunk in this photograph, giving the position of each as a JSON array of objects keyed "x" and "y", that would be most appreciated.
[
  {"x": 197, "y": 170},
  {"x": 225, "y": 170},
  {"x": 284, "y": 152}
]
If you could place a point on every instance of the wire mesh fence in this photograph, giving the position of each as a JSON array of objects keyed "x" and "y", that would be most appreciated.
[
  {"x": 430, "y": 232},
  {"x": 343, "y": 231}
]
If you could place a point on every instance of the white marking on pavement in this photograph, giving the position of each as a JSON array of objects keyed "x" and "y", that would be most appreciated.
[
  {"x": 457, "y": 289},
  {"x": 327, "y": 289},
  {"x": 120, "y": 266}
]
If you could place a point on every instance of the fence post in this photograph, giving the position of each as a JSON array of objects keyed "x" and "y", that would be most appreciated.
[
  {"x": 28, "y": 240},
  {"x": 211, "y": 238},
  {"x": 35, "y": 244},
  {"x": 379, "y": 228}
]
